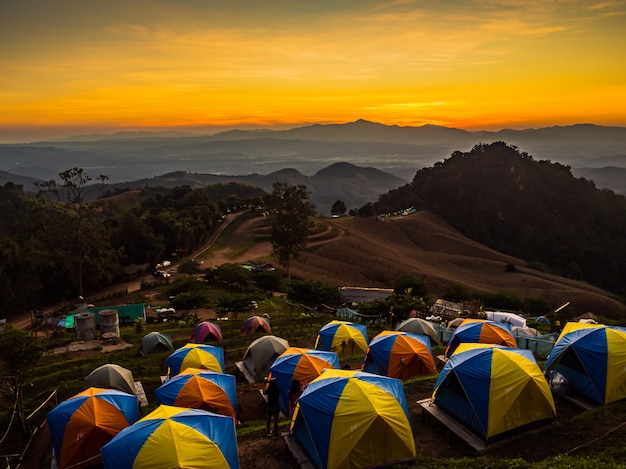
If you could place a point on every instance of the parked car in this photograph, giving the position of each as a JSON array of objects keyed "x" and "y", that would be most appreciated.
[{"x": 161, "y": 274}]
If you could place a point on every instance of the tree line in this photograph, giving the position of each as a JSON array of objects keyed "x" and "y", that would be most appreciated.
[{"x": 56, "y": 245}]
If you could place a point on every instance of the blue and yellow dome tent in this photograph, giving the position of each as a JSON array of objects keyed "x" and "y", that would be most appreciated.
[
  {"x": 196, "y": 388},
  {"x": 81, "y": 425},
  {"x": 342, "y": 337},
  {"x": 400, "y": 355},
  {"x": 593, "y": 359},
  {"x": 347, "y": 419},
  {"x": 196, "y": 356},
  {"x": 494, "y": 390},
  {"x": 175, "y": 437},
  {"x": 300, "y": 364},
  {"x": 478, "y": 331}
]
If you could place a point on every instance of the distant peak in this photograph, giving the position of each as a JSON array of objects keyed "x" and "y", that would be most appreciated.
[
  {"x": 285, "y": 171},
  {"x": 364, "y": 122}
]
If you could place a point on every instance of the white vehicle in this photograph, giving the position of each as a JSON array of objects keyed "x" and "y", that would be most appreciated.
[{"x": 166, "y": 263}]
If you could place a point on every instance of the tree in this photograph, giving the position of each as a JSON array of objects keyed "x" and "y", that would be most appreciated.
[
  {"x": 338, "y": 208},
  {"x": 233, "y": 275},
  {"x": 85, "y": 242},
  {"x": 19, "y": 351},
  {"x": 270, "y": 281},
  {"x": 314, "y": 294},
  {"x": 410, "y": 284},
  {"x": 234, "y": 302},
  {"x": 290, "y": 210}
]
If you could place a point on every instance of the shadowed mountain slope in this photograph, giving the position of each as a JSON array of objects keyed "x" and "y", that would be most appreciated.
[{"x": 536, "y": 210}]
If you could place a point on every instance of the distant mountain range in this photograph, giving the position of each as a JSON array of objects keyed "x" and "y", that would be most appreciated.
[
  {"x": 592, "y": 151},
  {"x": 351, "y": 184}
]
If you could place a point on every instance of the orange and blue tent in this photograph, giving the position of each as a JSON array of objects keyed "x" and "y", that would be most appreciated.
[
  {"x": 175, "y": 437},
  {"x": 342, "y": 337},
  {"x": 477, "y": 331},
  {"x": 346, "y": 419},
  {"x": 494, "y": 390},
  {"x": 300, "y": 364},
  {"x": 206, "y": 331},
  {"x": 196, "y": 388},
  {"x": 593, "y": 359},
  {"x": 255, "y": 324},
  {"x": 81, "y": 425},
  {"x": 204, "y": 356},
  {"x": 400, "y": 355}
]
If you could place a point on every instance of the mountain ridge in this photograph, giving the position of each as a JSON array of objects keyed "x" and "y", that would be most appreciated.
[
  {"x": 399, "y": 150},
  {"x": 349, "y": 183}
]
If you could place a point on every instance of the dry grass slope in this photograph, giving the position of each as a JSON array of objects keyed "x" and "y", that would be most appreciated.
[{"x": 373, "y": 253}]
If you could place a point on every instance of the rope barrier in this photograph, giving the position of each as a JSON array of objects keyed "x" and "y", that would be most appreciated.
[{"x": 595, "y": 439}]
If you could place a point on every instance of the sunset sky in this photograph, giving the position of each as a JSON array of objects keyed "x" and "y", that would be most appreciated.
[{"x": 75, "y": 66}]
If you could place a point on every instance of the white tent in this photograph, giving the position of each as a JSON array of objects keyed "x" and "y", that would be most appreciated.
[{"x": 510, "y": 318}]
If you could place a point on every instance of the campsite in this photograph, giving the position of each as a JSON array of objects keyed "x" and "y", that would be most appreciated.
[
  {"x": 573, "y": 429},
  {"x": 577, "y": 436}
]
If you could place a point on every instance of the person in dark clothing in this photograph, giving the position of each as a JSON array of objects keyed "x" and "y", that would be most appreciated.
[
  {"x": 294, "y": 394},
  {"x": 272, "y": 391}
]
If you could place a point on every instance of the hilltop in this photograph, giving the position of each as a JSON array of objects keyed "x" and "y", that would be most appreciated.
[{"x": 532, "y": 209}]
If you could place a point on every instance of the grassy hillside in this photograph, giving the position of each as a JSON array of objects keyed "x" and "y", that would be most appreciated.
[{"x": 368, "y": 252}]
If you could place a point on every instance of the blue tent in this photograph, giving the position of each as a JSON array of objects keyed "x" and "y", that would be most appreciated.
[
  {"x": 593, "y": 360},
  {"x": 82, "y": 424},
  {"x": 174, "y": 437},
  {"x": 349, "y": 418},
  {"x": 196, "y": 388},
  {"x": 196, "y": 356},
  {"x": 303, "y": 365},
  {"x": 493, "y": 390},
  {"x": 400, "y": 355},
  {"x": 342, "y": 337}
]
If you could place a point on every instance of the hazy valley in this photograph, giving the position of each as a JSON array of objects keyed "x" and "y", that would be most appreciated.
[{"x": 591, "y": 151}]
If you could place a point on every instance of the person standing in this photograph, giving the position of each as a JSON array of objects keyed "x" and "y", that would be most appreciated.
[
  {"x": 272, "y": 391},
  {"x": 294, "y": 393}
]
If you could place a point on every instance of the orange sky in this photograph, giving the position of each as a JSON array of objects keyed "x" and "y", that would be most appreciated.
[{"x": 71, "y": 66}]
